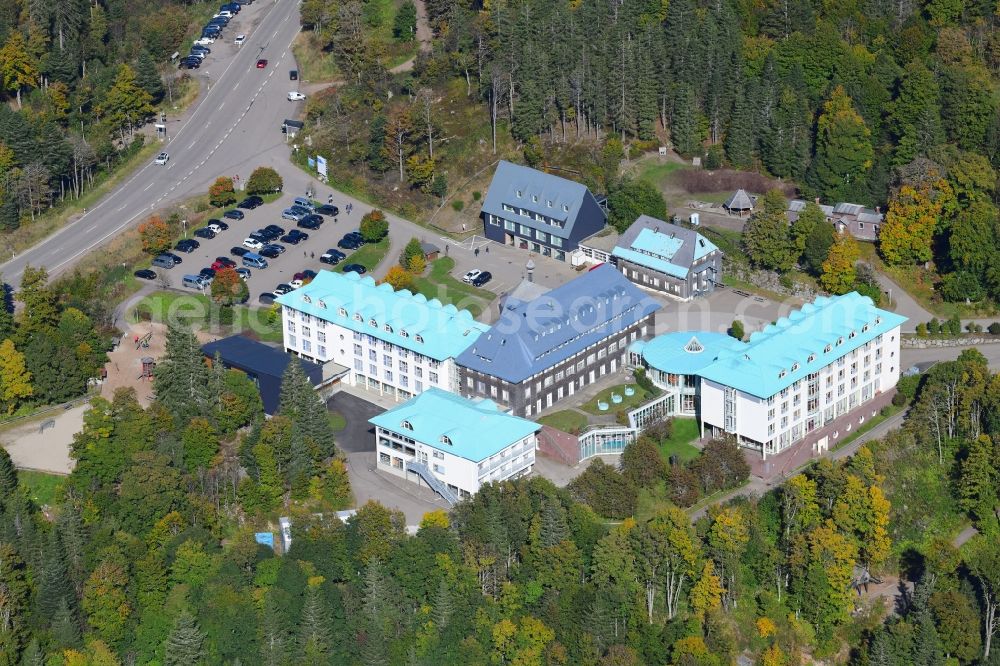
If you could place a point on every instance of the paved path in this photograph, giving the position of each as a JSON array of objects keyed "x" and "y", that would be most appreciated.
[
  {"x": 47, "y": 451},
  {"x": 906, "y": 305}
]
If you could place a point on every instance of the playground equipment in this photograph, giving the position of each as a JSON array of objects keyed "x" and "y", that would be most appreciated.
[
  {"x": 47, "y": 423},
  {"x": 615, "y": 398},
  {"x": 148, "y": 364},
  {"x": 629, "y": 391},
  {"x": 144, "y": 341}
]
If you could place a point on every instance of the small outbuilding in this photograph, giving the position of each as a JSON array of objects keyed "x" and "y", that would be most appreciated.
[
  {"x": 739, "y": 203},
  {"x": 430, "y": 250}
]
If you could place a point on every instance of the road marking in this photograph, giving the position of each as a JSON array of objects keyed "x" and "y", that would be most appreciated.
[
  {"x": 221, "y": 105},
  {"x": 193, "y": 143},
  {"x": 122, "y": 207},
  {"x": 147, "y": 187},
  {"x": 91, "y": 229}
]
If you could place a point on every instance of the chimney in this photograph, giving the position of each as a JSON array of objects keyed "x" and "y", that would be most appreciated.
[{"x": 816, "y": 200}]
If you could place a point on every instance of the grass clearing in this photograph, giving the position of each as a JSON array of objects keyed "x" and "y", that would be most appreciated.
[
  {"x": 369, "y": 255},
  {"x": 627, "y": 403},
  {"x": 197, "y": 310},
  {"x": 315, "y": 65},
  {"x": 658, "y": 173},
  {"x": 337, "y": 421},
  {"x": 440, "y": 284},
  {"x": 42, "y": 487},
  {"x": 684, "y": 432},
  {"x": 567, "y": 420}
]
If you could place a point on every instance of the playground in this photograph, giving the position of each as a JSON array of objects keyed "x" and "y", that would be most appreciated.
[{"x": 132, "y": 362}]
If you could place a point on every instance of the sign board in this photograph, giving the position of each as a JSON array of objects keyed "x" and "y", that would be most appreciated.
[
  {"x": 264, "y": 539},
  {"x": 321, "y": 165},
  {"x": 311, "y": 161}
]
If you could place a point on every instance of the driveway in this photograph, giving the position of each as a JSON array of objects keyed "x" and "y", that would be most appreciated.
[{"x": 358, "y": 436}]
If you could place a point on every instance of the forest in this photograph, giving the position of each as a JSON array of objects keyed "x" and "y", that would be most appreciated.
[
  {"x": 79, "y": 78},
  {"x": 148, "y": 555}
]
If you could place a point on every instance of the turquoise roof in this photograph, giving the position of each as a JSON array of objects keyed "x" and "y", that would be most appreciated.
[
  {"x": 703, "y": 246},
  {"x": 686, "y": 352},
  {"x": 658, "y": 244},
  {"x": 655, "y": 263},
  {"x": 779, "y": 356},
  {"x": 477, "y": 429},
  {"x": 405, "y": 319}
]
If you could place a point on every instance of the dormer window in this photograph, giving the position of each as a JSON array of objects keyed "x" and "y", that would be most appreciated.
[
  {"x": 826, "y": 350},
  {"x": 519, "y": 194},
  {"x": 565, "y": 208},
  {"x": 781, "y": 375},
  {"x": 549, "y": 203},
  {"x": 878, "y": 320},
  {"x": 358, "y": 317},
  {"x": 812, "y": 357},
  {"x": 403, "y": 333},
  {"x": 840, "y": 341},
  {"x": 388, "y": 329},
  {"x": 342, "y": 312},
  {"x": 534, "y": 198},
  {"x": 373, "y": 323},
  {"x": 321, "y": 303},
  {"x": 406, "y": 425},
  {"x": 419, "y": 338},
  {"x": 795, "y": 366},
  {"x": 853, "y": 334},
  {"x": 864, "y": 329},
  {"x": 445, "y": 439},
  {"x": 306, "y": 299}
]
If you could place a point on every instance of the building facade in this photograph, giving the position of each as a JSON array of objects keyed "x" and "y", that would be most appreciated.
[
  {"x": 861, "y": 222},
  {"x": 393, "y": 342},
  {"x": 539, "y": 212},
  {"x": 453, "y": 445},
  {"x": 809, "y": 378},
  {"x": 546, "y": 349},
  {"x": 668, "y": 258}
]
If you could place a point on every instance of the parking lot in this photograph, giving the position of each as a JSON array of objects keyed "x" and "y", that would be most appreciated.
[{"x": 296, "y": 258}]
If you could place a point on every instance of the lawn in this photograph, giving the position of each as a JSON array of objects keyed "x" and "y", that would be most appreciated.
[
  {"x": 369, "y": 255},
  {"x": 627, "y": 403},
  {"x": 42, "y": 487},
  {"x": 684, "y": 432},
  {"x": 886, "y": 412},
  {"x": 337, "y": 421},
  {"x": 196, "y": 309},
  {"x": 567, "y": 420},
  {"x": 440, "y": 284},
  {"x": 657, "y": 173}
]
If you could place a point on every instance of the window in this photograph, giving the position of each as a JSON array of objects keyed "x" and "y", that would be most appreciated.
[
  {"x": 342, "y": 312},
  {"x": 306, "y": 331},
  {"x": 372, "y": 355},
  {"x": 404, "y": 381},
  {"x": 321, "y": 350},
  {"x": 359, "y": 365},
  {"x": 508, "y": 208},
  {"x": 419, "y": 338},
  {"x": 518, "y": 194},
  {"x": 795, "y": 366},
  {"x": 509, "y": 226},
  {"x": 418, "y": 371},
  {"x": 812, "y": 357},
  {"x": 321, "y": 336},
  {"x": 291, "y": 341},
  {"x": 388, "y": 375},
  {"x": 534, "y": 198},
  {"x": 291, "y": 326},
  {"x": 357, "y": 350},
  {"x": 358, "y": 317},
  {"x": 387, "y": 361},
  {"x": 433, "y": 376},
  {"x": 555, "y": 242},
  {"x": 373, "y": 369},
  {"x": 387, "y": 328},
  {"x": 406, "y": 425},
  {"x": 418, "y": 386},
  {"x": 306, "y": 346},
  {"x": 445, "y": 439}
]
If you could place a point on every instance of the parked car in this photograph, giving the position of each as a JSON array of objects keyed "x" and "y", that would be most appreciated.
[
  {"x": 250, "y": 202},
  {"x": 197, "y": 54},
  {"x": 226, "y": 262},
  {"x": 163, "y": 261},
  {"x": 303, "y": 202},
  {"x": 294, "y": 213},
  {"x": 218, "y": 227},
  {"x": 295, "y": 284},
  {"x": 267, "y": 298},
  {"x": 189, "y": 63},
  {"x": 295, "y": 96},
  {"x": 274, "y": 228},
  {"x": 356, "y": 235},
  {"x": 204, "y": 232},
  {"x": 239, "y": 40},
  {"x": 294, "y": 237},
  {"x": 328, "y": 209},
  {"x": 310, "y": 221},
  {"x": 162, "y": 158},
  {"x": 234, "y": 214},
  {"x": 293, "y": 75},
  {"x": 271, "y": 250},
  {"x": 198, "y": 48},
  {"x": 207, "y": 273},
  {"x": 262, "y": 63},
  {"x": 252, "y": 244},
  {"x": 355, "y": 268},
  {"x": 471, "y": 275},
  {"x": 173, "y": 257},
  {"x": 348, "y": 243},
  {"x": 238, "y": 251},
  {"x": 282, "y": 289},
  {"x": 204, "y": 41},
  {"x": 332, "y": 257},
  {"x": 307, "y": 274},
  {"x": 244, "y": 273},
  {"x": 145, "y": 274},
  {"x": 187, "y": 245},
  {"x": 481, "y": 279}
]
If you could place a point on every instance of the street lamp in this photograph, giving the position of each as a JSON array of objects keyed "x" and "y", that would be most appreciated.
[{"x": 185, "y": 223}]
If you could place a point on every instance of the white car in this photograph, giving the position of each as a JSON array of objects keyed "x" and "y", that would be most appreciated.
[
  {"x": 162, "y": 158},
  {"x": 252, "y": 244},
  {"x": 225, "y": 12},
  {"x": 295, "y": 96},
  {"x": 239, "y": 40},
  {"x": 204, "y": 41},
  {"x": 295, "y": 284},
  {"x": 244, "y": 273},
  {"x": 471, "y": 275}
]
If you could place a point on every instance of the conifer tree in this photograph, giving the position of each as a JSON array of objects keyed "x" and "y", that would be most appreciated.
[
  {"x": 181, "y": 384},
  {"x": 54, "y": 586},
  {"x": 183, "y": 646},
  {"x": 844, "y": 153},
  {"x": 314, "y": 644},
  {"x": 442, "y": 605},
  {"x": 306, "y": 410},
  {"x": 65, "y": 627},
  {"x": 740, "y": 135}
]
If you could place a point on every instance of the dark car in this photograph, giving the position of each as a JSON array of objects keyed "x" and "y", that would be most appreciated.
[
  {"x": 250, "y": 203},
  {"x": 282, "y": 289},
  {"x": 237, "y": 251},
  {"x": 308, "y": 274},
  {"x": 328, "y": 209},
  {"x": 266, "y": 235},
  {"x": 332, "y": 257},
  {"x": 274, "y": 228},
  {"x": 482, "y": 279},
  {"x": 225, "y": 261},
  {"x": 173, "y": 257},
  {"x": 310, "y": 221},
  {"x": 145, "y": 274},
  {"x": 294, "y": 237},
  {"x": 262, "y": 63},
  {"x": 204, "y": 232},
  {"x": 355, "y": 268},
  {"x": 348, "y": 243},
  {"x": 207, "y": 273},
  {"x": 267, "y": 298},
  {"x": 293, "y": 74},
  {"x": 187, "y": 245},
  {"x": 233, "y": 214},
  {"x": 189, "y": 63},
  {"x": 271, "y": 250},
  {"x": 198, "y": 48}
]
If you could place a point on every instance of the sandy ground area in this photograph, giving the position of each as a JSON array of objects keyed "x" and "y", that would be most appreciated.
[
  {"x": 124, "y": 364},
  {"x": 31, "y": 448}
]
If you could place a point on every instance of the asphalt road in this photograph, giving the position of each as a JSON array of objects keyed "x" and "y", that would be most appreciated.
[{"x": 236, "y": 120}]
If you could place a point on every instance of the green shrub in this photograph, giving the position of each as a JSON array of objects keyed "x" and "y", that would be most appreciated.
[
  {"x": 458, "y": 205},
  {"x": 906, "y": 390},
  {"x": 994, "y": 328},
  {"x": 933, "y": 327},
  {"x": 477, "y": 195},
  {"x": 785, "y": 280},
  {"x": 921, "y": 330}
]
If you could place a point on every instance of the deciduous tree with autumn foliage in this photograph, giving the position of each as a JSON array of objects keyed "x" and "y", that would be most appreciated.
[{"x": 156, "y": 235}]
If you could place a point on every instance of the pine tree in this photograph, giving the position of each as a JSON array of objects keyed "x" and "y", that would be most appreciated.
[
  {"x": 148, "y": 78},
  {"x": 442, "y": 605},
  {"x": 299, "y": 402},
  {"x": 766, "y": 237},
  {"x": 8, "y": 475},
  {"x": 683, "y": 123},
  {"x": 314, "y": 628},
  {"x": 183, "y": 646},
  {"x": 844, "y": 153},
  {"x": 740, "y": 133},
  {"x": 181, "y": 384},
  {"x": 74, "y": 539},
  {"x": 65, "y": 627},
  {"x": 54, "y": 587},
  {"x": 818, "y": 244}
]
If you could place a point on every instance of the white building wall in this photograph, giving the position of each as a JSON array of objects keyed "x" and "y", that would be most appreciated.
[
  {"x": 373, "y": 363},
  {"x": 460, "y": 473}
]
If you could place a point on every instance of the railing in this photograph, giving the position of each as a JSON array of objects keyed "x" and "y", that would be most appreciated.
[
  {"x": 606, "y": 440},
  {"x": 435, "y": 483}
]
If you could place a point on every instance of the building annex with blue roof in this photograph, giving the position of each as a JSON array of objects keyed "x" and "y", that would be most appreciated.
[
  {"x": 668, "y": 258},
  {"x": 538, "y": 211},
  {"x": 395, "y": 343},
  {"x": 810, "y": 377},
  {"x": 546, "y": 349},
  {"x": 452, "y": 444}
]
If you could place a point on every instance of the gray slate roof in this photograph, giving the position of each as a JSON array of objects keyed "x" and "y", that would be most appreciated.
[
  {"x": 538, "y": 334},
  {"x": 739, "y": 200},
  {"x": 537, "y": 190}
]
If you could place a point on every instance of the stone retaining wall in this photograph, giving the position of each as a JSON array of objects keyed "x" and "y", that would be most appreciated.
[{"x": 913, "y": 342}]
